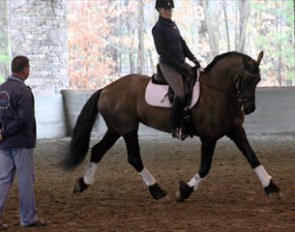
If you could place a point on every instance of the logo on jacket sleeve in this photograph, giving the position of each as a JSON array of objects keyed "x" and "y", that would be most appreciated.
[{"x": 4, "y": 100}]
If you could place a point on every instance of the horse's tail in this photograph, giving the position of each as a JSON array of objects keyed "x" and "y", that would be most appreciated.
[{"x": 81, "y": 134}]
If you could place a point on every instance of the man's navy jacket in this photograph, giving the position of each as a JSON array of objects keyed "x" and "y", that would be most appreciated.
[{"x": 17, "y": 114}]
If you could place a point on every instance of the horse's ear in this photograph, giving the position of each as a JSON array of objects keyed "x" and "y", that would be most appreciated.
[{"x": 259, "y": 58}]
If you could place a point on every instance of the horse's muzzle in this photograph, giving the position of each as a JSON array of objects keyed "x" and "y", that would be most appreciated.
[{"x": 249, "y": 108}]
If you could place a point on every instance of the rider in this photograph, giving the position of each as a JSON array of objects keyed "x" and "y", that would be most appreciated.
[{"x": 172, "y": 50}]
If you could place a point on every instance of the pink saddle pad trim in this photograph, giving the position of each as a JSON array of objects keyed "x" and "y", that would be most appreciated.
[{"x": 156, "y": 95}]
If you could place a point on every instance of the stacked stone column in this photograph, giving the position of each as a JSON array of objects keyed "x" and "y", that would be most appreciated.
[{"x": 37, "y": 29}]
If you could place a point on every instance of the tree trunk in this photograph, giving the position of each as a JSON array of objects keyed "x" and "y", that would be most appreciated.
[
  {"x": 244, "y": 11},
  {"x": 4, "y": 42},
  {"x": 130, "y": 32},
  {"x": 226, "y": 24},
  {"x": 140, "y": 63},
  {"x": 279, "y": 48},
  {"x": 213, "y": 40}
]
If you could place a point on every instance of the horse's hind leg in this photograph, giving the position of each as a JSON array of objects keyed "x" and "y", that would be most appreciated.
[
  {"x": 131, "y": 140},
  {"x": 207, "y": 151},
  {"x": 97, "y": 152},
  {"x": 242, "y": 143}
]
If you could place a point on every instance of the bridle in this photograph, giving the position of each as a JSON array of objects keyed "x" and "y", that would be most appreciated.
[
  {"x": 237, "y": 83},
  {"x": 236, "y": 79}
]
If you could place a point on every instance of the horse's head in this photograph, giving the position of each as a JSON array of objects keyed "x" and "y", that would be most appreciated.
[{"x": 246, "y": 82}]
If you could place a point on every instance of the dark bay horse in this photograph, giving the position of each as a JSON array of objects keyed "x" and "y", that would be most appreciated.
[{"x": 227, "y": 93}]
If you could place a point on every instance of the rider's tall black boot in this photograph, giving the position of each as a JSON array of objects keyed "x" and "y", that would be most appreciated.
[{"x": 176, "y": 116}]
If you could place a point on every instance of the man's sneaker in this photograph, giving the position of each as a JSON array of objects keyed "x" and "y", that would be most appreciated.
[
  {"x": 37, "y": 223},
  {"x": 3, "y": 226}
]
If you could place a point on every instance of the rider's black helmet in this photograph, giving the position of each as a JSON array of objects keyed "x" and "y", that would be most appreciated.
[{"x": 165, "y": 4}]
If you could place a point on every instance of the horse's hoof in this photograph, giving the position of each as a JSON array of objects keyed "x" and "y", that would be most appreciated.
[
  {"x": 80, "y": 186},
  {"x": 183, "y": 192},
  {"x": 157, "y": 192},
  {"x": 272, "y": 189}
]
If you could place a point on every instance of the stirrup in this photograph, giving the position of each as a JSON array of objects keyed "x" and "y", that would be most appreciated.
[{"x": 178, "y": 133}]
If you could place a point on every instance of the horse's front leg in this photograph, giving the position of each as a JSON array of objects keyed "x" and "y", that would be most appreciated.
[
  {"x": 131, "y": 140},
  {"x": 242, "y": 143},
  {"x": 207, "y": 151}
]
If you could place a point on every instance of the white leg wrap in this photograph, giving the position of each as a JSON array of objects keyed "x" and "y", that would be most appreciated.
[
  {"x": 147, "y": 177},
  {"x": 89, "y": 177},
  {"x": 195, "y": 181},
  {"x": 262, "y": 175}
]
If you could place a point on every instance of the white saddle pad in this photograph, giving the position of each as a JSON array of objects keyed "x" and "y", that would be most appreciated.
[{"x": 156, "y": 95}]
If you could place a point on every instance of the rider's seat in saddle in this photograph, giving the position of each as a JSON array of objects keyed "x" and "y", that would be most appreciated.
[{"x": 189, "y": 81}]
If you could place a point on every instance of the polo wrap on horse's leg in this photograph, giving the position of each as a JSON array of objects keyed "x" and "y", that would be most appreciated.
[
  {"x": 147, "y": 177},
  {"x": 195, "y": 181},
  {"x": 263, "y": 176},
  {"x": 89, "y": 177}
]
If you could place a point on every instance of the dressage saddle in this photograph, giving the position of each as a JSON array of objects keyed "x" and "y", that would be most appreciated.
[{"x": 189, "y": 82}]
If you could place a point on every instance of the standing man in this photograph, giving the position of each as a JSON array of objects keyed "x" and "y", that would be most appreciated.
[
  {"x": 17, "y": 141},
  {"x": 173, "y": 51}
]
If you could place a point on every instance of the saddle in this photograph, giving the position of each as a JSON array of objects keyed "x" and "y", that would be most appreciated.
[
  {"x": 188, "y": 80},
  {"x": 158, "y": 93}
]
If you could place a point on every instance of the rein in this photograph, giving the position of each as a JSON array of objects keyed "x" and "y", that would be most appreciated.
[
  {"x": 216, "y": 88},
  {"x": 236, "y": 84},
  {"x": 213, "y": 87}
]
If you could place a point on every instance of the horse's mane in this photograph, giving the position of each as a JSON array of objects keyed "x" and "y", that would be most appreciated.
[{"x": 221, "y": 56}]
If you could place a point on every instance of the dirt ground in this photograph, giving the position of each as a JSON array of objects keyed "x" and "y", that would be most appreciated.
[{"x": 230, "y": 200}]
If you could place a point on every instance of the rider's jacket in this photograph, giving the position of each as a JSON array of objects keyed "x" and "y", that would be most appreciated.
[
  {"x": 17, "y": 114},
  {"x": 169, "y": 43}
]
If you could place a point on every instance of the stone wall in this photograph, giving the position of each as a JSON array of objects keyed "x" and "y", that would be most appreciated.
[{"x": 38, "y": 30}]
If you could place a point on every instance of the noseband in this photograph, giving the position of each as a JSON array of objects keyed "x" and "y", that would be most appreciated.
[{"x": 237, "y": 76}]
